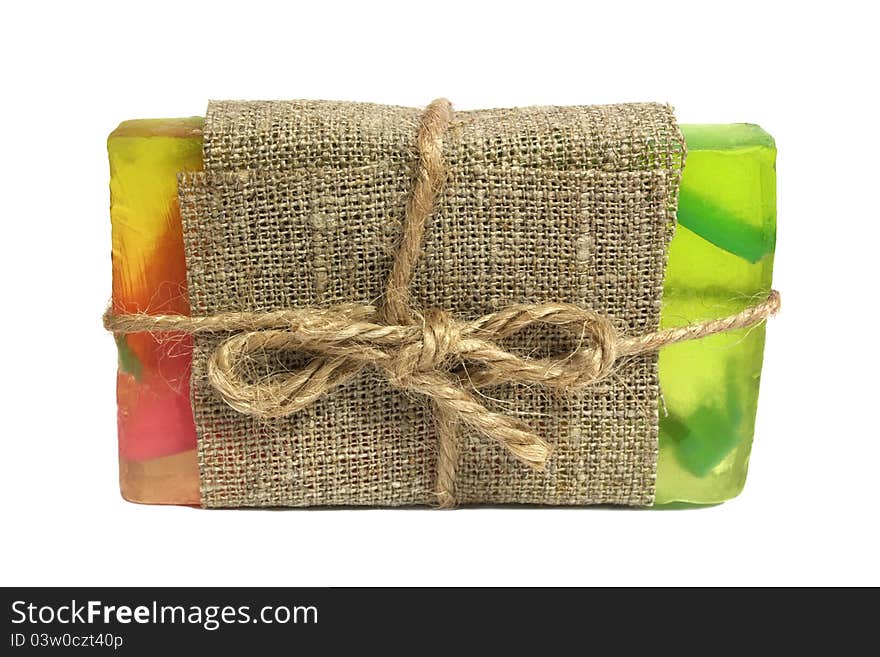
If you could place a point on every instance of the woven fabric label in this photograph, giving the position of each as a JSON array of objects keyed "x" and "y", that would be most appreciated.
[{"x": 300, "y": 204}]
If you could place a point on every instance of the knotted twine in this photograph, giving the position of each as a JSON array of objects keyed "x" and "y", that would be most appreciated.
[{"x": 431, "y": 353}]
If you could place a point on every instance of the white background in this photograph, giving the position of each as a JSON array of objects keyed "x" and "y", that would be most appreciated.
[{"x": 806, "y": 73}]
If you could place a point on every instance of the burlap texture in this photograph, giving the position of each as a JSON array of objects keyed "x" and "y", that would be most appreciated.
[{"x": 300, "y": 204}]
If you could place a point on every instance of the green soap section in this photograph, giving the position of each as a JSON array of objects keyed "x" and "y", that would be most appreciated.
[
  {"x": 128, "y": 360},
  {"x": 732, "y": 158},
  {"x": 720, "y": 260}
]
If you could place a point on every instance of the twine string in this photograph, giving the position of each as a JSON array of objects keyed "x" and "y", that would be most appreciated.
[{"x": 422, "y": 352}]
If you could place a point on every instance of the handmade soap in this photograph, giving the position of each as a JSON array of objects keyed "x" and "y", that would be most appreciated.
[{"x": 720, "y": 261}]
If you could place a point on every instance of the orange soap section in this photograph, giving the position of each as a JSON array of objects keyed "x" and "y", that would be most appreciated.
[{"x": 157, "y": 437}]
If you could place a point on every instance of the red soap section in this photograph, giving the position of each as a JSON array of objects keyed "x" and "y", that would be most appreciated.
[{"x": 155, "y": 415}]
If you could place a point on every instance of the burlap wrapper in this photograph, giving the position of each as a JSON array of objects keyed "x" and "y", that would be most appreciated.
[{"x": 301, "y": 203}]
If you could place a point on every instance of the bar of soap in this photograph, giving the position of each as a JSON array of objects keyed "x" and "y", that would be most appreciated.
[
  {"x": 720, "y": 261},
  {"x": 157, "y": 437}
]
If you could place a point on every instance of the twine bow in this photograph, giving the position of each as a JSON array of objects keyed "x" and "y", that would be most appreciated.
[
  {"x": 430, "y": 353},
  {"x": 429, "y": 357}
]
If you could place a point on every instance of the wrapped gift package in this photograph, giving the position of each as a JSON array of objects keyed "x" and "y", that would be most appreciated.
[{"x": 295, "y": 377}]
